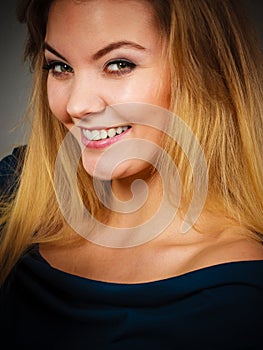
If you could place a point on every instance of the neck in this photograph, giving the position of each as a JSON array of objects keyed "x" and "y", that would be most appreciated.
[{"x": 134, "y": 200}]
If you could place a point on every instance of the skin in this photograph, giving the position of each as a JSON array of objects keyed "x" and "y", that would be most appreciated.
[
  {"x": 91, "y": 84},
  {"x": 83, "y": 92}
]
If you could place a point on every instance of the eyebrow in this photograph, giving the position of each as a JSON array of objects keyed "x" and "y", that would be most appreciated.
[
  {"x": 102, "y": 52},
  {"x": 46, "y": 46},
  {"x": 115, "y": 46}
]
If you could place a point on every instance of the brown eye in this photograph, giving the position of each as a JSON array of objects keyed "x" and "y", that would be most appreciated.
[
  {"x": 119, "y": 67},
  {"x": 59, "y": 69},
  {"x": 62, "y": 68}
]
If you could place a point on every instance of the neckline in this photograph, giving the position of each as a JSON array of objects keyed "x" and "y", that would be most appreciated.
[{"x": 35, "y": 253}]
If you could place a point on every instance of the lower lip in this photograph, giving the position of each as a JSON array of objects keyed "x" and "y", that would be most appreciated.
[{"x": 102, "y": 143}]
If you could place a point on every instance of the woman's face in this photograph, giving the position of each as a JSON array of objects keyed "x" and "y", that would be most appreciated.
[{"x": 100, "y": 53}]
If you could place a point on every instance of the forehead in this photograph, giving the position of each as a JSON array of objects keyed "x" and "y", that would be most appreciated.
[{"x": 95, "y": 18}]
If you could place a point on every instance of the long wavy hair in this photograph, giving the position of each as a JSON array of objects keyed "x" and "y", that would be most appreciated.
[{"x": 216, "y": 88}]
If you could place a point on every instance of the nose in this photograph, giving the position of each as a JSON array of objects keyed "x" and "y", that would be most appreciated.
[{"x": 85, "y": 97}]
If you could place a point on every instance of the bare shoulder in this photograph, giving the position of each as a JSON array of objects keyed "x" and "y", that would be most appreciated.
[
  {"x": 246, "y": 248},
  {"x": 242, "y": 249}
]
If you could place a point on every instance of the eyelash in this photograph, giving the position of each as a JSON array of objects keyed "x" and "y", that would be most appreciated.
[
  {"x": 126, "y": 69},
  {"x": 51, "y": 66},
  {"x": 123, "y": 67}
]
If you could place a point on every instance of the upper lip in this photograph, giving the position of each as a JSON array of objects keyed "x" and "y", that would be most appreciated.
[{"x": 99, "y": 121}]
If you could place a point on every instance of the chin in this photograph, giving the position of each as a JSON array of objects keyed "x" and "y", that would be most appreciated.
[{"x": 135, "y": 169}]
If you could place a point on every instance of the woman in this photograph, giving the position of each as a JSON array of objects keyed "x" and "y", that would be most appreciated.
[{"x": 90, "y": 257}]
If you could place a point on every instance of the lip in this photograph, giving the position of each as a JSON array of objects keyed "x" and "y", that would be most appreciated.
[{"x": 102, "y": 143}]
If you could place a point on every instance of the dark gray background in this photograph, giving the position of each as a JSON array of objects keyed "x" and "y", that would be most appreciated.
[{"x": 16, "y": 79}]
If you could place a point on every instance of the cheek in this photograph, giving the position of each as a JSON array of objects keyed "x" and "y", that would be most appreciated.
[
  {"x": 57, "y": 99},
  {"x": 154, "y": 92},
  {"x": 143, "y": 88},
  {"x": 152, "y": 135}
]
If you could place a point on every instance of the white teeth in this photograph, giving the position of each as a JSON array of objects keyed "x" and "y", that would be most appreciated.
[
  {"x": 119, "y": 130},
  {"x": 112, "y": 132},
  {"x": 87, "y": 134},
  {"x": 96, "y": 135},
  {"x": 103, "y": 134}
]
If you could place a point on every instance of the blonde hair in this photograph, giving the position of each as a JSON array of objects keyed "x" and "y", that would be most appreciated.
[{"x": 216, "y": 76}]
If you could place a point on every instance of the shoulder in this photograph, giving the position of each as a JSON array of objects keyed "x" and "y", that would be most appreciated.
[
  {"x": 229, "y": 248},
  {"x": 10, "y": 169},
  {"x": 231, "y": 301},
  {"x": 9, "y": 163},
  {"x": 228, "y": 282}
]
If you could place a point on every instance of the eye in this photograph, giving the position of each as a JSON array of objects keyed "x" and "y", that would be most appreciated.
[
  {"x": 58, "y": 69},
  {"x": 119, "y": 67}
]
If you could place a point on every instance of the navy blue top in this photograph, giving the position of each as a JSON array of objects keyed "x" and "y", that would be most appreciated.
[
  {"x": 218, "y": 307},
  {"x": 10, "y": 169}
]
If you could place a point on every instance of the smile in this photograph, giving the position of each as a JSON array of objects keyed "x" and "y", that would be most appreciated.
[
  {"x": 102, "y": 138},
  {"x": 97, "y": 135}
]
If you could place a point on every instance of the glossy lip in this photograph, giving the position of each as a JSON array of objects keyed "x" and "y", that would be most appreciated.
[{"x": 102, "y": 143}]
